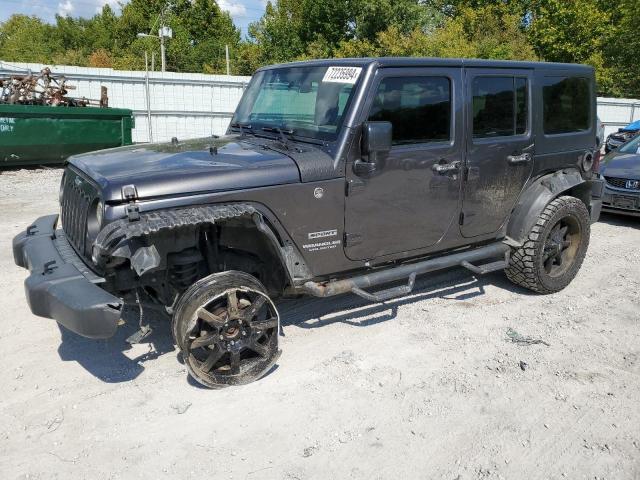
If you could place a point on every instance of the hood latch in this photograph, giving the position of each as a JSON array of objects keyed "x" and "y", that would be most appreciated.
[{"x": 130, "y": 194}]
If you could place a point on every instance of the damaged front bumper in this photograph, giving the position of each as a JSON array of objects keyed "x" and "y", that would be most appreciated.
[{"x": 60, "y": 285}]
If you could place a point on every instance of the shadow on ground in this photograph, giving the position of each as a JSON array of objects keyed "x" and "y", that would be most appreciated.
[
  {"x": 106, "y": 359},
  {"x": 111, "y": 360},
  {"x": 456, "y": 285},
  {"x": 620, "y": 220}
]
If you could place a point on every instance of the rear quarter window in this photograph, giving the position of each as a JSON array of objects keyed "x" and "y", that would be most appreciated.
[{"x": 566, "y": 105}]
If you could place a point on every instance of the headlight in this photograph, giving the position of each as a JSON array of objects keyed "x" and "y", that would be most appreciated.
[
  {"x": 99, "y": 213},
  {"x": 94, "y": 219}
]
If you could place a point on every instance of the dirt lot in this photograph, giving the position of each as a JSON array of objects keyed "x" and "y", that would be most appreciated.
[{"x": 427, "y": 386}]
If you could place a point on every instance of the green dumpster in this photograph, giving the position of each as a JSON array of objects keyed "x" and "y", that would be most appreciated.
[{"x": 37, "y": 134}]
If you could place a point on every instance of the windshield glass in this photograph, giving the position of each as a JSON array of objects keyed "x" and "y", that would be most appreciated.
[
  {"x": 631, "y": 146},
  {"x": 305, "y": 101}
]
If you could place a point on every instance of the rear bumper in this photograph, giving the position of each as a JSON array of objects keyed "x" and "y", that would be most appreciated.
[{"x": 61, "y": 286}]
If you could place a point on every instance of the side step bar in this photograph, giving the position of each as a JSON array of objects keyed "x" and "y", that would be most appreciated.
[
  {"x": 357, "y": 284},
  {"x": 389, "y": 293},
  {"x": 488, "y": 267}
]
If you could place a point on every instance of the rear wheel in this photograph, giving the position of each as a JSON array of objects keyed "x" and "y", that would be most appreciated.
[
  {"x": 227, "y": 329},
  {"x": 555, "y": 248}
]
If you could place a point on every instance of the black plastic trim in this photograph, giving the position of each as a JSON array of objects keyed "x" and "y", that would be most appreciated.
[{"x": 57, "y": 289}]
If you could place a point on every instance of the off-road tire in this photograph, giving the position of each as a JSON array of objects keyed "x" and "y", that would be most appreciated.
[
  {"x": 527, "y": 263},
  {"x": 213, "y": 356}
]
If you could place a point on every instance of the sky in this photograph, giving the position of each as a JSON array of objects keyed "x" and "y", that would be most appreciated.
[{"x": 242, "y": 11}]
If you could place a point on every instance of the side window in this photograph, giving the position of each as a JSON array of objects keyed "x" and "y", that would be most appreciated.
[
  {"x": 567, "y": 105},
  {"x": 500, "y": 106},
  {"x": 418, "y": 107}
]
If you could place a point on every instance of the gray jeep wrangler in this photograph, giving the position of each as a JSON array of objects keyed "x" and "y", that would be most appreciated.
[{"x": 335, "y": 176}]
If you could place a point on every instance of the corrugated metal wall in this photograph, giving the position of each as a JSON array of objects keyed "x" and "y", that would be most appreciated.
[
  {"x": 183, "y": 105},
  {"x": 617, "y": 112},
  {"x": 187, "y": 105}
]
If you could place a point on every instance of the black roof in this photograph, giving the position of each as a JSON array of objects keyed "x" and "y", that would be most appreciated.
[{"x": 436, "y": 62}]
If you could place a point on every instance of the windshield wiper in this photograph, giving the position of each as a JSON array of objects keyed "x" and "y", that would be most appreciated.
[
  {"x": 242, "y": 127},
  {"x": 281, "y": 133}
]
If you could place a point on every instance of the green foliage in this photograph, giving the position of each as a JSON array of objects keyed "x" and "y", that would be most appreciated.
[
  {"x": 200, "y": 32},
  {"x": 621, "y": 50},
  {"x": 485, "y": 32},
  {"x": 26, "y": 39}
]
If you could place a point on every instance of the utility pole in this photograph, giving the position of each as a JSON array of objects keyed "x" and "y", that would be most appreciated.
[
  {"x": 162, "y": 53},
  {"x": 226, "y": 51},
  {"x": 163, "y": 31},
  {"x": 148, "y": 95}
]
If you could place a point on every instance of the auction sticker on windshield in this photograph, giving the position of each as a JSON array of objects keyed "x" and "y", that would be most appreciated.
[{"x": 342, "y": 75}]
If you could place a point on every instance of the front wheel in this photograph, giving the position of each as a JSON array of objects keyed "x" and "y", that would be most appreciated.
[
  {"x": 227, "y": 328},
  {"x": 556, "y": 246}
]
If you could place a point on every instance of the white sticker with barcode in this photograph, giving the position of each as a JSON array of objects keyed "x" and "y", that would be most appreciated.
[{"x": 342, "y": 75}]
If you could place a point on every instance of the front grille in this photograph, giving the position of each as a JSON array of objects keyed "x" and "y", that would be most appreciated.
[
  {"x": 77, "y": 196},
  {"x": 620, "y": 183}
]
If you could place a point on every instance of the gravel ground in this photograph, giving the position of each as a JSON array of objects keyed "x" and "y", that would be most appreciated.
[{"x": 427, "y": 386}]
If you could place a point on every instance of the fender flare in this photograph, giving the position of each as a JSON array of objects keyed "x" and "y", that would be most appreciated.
[
  {"x": 126, "y": 239},
  {"x": 537, "y": 196}
]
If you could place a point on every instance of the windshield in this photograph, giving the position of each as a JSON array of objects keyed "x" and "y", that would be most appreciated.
[
  {"x": 632, "y": 146},
  {"x": 303, "y": 101}
]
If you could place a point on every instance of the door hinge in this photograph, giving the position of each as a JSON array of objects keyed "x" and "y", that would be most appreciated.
[
  {"x": 351, "y": 239},
  {"x": 352, "y": 185},
  {"x": 461, "y": 219}
]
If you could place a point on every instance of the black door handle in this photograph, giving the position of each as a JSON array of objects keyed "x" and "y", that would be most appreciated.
[
  {"x": 445, "y": 168},
  {"x": 519, "y": 159}
]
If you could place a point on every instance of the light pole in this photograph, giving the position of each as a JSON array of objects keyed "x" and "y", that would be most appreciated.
[{"x": 162, "y": 32}]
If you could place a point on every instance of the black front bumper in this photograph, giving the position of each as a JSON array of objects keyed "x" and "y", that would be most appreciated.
[{"x": 61, "y": 286}]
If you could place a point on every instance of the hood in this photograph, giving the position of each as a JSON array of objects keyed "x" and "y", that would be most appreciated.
[
  {"x": 621, "y": 165},
  {"x": 188, "y": 167}
]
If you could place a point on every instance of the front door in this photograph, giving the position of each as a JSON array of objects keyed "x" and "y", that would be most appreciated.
[
  {"x": 500, "y": 147},
  {"x": 412, "y": 199}
]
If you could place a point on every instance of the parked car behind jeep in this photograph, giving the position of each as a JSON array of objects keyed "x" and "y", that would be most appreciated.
[
  {"x": 621, "y": 171},
  {"x": 336, "y": 176},
  {"x": 622, "y": 136}
]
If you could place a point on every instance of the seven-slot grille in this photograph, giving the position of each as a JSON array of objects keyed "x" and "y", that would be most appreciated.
[
  {"x": 77, "y": 197},
  {"x": 618, "y": 182}
]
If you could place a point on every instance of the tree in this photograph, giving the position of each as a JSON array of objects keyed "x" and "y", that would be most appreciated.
[
  {"x": 574, "y": 32},
  {"x": 26, "y": 39},
  {"x": 299, "y": 29},
  {"x": 620, "y": 50},
  {"x": 485, "y": 32}
]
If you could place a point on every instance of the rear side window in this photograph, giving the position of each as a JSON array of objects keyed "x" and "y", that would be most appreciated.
[
  {"x": 418, "y": 107},
  {"x": 500, "y": 106},
  {"x": 567, "y": 105}
]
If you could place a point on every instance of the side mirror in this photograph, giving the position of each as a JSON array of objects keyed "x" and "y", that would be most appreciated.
[
  {"x": 376, "y": 138},
  {"x": 376, "y": 143}
]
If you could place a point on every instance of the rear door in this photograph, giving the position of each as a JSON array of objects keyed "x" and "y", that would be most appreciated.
[{"x": 500, "y": 146}]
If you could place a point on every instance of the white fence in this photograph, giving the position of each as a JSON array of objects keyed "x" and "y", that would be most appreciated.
[
  {"x": 188, "y": 105},
  {"x": 183, "y": 105},
  {"x": 617, "y": 112}
]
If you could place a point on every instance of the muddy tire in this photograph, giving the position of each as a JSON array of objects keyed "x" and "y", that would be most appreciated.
[
  {"x": 227, "y": 329},
  {"x": 554, "y": 249}
]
